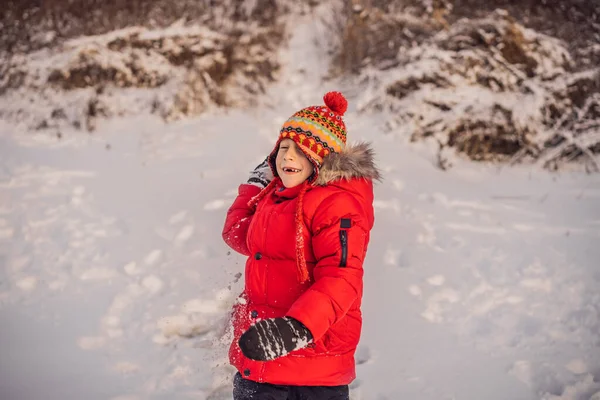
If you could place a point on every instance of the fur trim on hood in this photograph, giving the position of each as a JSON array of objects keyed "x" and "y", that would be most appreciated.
[{"x": 355, "y": 161}]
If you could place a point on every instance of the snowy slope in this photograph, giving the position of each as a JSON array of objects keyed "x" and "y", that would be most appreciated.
[{"x": 481, "y": 282}]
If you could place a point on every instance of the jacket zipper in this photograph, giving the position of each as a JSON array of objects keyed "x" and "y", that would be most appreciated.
[{"x": 344, "y": 245}]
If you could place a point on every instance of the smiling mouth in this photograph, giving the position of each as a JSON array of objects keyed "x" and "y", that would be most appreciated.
[{"x": 291, "y": 170}]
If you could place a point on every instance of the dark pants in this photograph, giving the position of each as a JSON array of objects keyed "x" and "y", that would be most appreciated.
[{"x": 244, "y": 389}]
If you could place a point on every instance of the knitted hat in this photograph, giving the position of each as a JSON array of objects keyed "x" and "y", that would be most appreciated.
[{"x": 318, "y": 131}]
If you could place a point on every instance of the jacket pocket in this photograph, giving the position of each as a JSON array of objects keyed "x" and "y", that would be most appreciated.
[
  {"x": 345, "y": 224},
  {"x": 344, "y": 247}
]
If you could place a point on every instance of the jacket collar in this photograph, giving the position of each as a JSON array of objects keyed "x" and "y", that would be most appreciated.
[{"x": 286, "y": 193}]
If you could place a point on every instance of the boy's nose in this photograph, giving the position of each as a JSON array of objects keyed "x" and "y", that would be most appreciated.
[{"x": 290, "y": 154}]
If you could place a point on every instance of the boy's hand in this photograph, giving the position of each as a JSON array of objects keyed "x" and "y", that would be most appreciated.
[
  {"x": 273, "y": 338},
  {"x": 262, "y": 175}
]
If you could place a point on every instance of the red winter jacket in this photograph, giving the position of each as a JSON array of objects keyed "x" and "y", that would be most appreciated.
[{"x": 338, "y": 217}]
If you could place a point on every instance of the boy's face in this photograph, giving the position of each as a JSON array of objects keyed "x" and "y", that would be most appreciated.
[{"x": 292, "y": 165}]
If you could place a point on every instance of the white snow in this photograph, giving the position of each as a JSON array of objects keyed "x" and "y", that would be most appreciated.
[
  {"x": 98, "y": 274},
  {"x": 177, "y": 218},
  {"x": 214, "y": 205},
  {"x": 415, "y": 290},
  {"x": 153, "y": 283},
  {"x": 153, "y": 257},
  {"x": 91, "y": 343},
  {"x": 27, "y": 283},
  {"x": 131, "y": 268},
  {"x": 481, "y": 282},
  {"x": 436, "y": 280},
  {"x": 185, "y": 233},
  {"x": 577, "y": 366}
]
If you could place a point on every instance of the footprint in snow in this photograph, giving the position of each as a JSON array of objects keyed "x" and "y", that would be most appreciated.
[
  {"x": 123, "y": 304},
  {"x": 184, "y": 234},
  {"x": 198, "y": 317},
  {"x": 415, "y": 290},
  {"x": 215, "y": 205},
  {"x": 393, "y": 205},
  {"x": 577, "y": 366},
  {"x": 177, "y": 218},
  {"x": 391, "y": 257},
  {"x": 363, "y": 355},
  {"x": 132, "y": 269},
  {"x": 153, "y": 257},
  {"x": 436, "y": 280},
  {"x": 438, "y": 303}
]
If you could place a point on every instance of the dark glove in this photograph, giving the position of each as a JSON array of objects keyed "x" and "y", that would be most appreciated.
[
  {"x": 261, "y": 175},
  {"x": 275, "y": 337}
]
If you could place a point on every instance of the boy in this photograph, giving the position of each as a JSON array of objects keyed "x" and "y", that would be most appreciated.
[{"x": 303, "y": 219}]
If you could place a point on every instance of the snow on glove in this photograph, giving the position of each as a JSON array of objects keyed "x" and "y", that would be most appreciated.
[
  {"x": 275, "y": 337},
  {"x": 261, "y": 175}
]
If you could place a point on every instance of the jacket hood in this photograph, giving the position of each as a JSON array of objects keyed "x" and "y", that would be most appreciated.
[{"x": 355, "y": 161}]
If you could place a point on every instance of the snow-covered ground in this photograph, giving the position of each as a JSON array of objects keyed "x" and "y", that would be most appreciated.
[{"x": 482, "y": 282}]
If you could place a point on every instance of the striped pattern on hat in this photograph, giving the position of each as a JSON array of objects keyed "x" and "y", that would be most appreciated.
[{"x": 318, "y": 130}]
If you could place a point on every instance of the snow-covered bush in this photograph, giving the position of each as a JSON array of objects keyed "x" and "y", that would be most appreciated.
[
  {"x": 212, "y": 55},
  {"x": 489, "y": 87}
]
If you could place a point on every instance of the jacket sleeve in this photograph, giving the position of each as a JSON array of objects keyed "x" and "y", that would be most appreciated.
[
  {"x": 238, "y": 219},
  {"x": 340, "y": 235}
]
